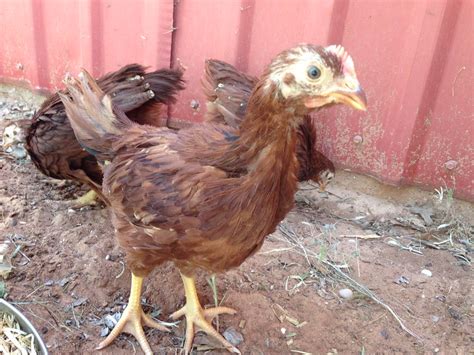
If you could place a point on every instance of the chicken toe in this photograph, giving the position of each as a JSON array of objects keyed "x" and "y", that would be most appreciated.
[
  {"x": 88, "y": 199},
  {"x": 133, "y": 319},
  {"x": 199, "y": 319}
]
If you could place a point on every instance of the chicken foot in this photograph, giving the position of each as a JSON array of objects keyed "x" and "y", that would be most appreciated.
[
  {"x": 88, "y": 199},
  {"x": 132, "y": 320},
  {"x": 200, "y": 318}
]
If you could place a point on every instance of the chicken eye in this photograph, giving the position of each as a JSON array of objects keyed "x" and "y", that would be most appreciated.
[{"x": 314, "y": 72}]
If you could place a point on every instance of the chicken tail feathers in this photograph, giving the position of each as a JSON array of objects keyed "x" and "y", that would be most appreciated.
[
  {"x": 163, "y": 85},
  {"x": 96, "y": 123},
  {"x": 227, "y": 91}
]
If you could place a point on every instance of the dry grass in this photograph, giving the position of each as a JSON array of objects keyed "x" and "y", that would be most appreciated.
[
  {"x": 329, "y": 270},
  {"x": 13, "y": 340}
]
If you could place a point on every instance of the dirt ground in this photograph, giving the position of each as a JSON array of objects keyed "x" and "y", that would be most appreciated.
[{"x": 69, "y": 278}]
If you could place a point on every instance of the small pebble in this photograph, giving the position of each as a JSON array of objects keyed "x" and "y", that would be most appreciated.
[
  {"x": 345, "y": 293},
  {"x": 117, "y": 316},
  {"x": 402, "y": 280},
  {"x": 441, "y": 298},
  {"x": 110, "y": 321},
  {"x": 435, "y": 319},
  {"x": 283, "y": 331},
  {"x": 104, "y": 332},
  {"x": 18, "y": 152},
  {"x": 455, "y": 314},
  {"x": 233, "y": 336},
  {"x": 427, "y": 272}
]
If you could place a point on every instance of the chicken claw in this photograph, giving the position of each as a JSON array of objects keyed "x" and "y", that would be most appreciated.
[
  {"x": 200, "y": 318},
  {"x": 132, "y": 320}
]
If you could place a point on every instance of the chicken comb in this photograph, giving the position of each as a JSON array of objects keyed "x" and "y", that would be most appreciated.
[{"x": 344, "y": 57}]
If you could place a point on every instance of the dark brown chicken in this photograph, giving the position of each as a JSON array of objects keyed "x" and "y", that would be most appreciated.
[
  {"x": 202, "y": 197},
  {"x": 228, "y": 91},
  {"x": 50, "y": 140}
]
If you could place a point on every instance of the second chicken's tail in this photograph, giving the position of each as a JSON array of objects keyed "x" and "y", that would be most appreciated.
[
  {"x": 95, "y": 121},
  {"x": 227, "y": 92}
]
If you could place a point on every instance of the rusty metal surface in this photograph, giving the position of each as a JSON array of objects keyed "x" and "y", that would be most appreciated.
[{"x": 414, "y": 58}]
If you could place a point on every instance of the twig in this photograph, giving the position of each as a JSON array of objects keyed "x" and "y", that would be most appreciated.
[
  {"x": 308, "y": 188},
  {"x": 45, "y": 320},
  {"x": 34, "y": 291},
  {"x": 357, "y": 236},
  {"x": 332, "y": 193},
  {"x": 396, "y": 243},
  {"x": 123, "y": 269},
  {"x": 19, "y": 250},
  {"x": 19, "y": 303},
  {"x": 133, "y": 346},
  {"x": 424, "y": 242},
  {"x": 75, "y": 319},
  {"x": 297, "y": 242},
  {"x": 376, "y": 319},
  {"x": 213, "y": 284},
  {"x": 277, "y": 250},
  {"x": 357, "y": 258}
]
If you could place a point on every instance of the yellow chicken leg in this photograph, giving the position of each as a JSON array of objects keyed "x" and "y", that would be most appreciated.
[
  {"x": 199, "y": 317},
  {"x": 133, "y": 318},
  {"x": 89, "y": 199}
]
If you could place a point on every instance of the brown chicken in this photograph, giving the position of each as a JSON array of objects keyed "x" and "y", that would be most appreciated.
[
  {"x": 228, "y": 91},
  {"x": 202, "y": 197},
  {"x": 50, "y": 140}
]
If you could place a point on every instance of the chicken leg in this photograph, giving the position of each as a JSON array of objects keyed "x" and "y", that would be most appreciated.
[
  {"x": 199, "y": 317},
  {"x": 132, "y": 320}
]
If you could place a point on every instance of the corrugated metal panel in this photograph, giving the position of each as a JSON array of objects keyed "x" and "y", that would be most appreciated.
[
  {"x": 414, "y": 58},
  {"x": 43, "y": 39}
]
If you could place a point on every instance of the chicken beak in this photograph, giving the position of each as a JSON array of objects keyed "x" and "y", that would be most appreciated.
[
  {"x": 322, "y": 186},
  {"x": 6, "y": 146},
  {"x": 350, "y": 93}
]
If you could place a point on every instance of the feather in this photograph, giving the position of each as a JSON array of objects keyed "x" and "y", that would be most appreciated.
[{"x": 50, "y": 140}]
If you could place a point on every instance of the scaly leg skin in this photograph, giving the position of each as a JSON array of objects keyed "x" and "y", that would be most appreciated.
[
  {"x": 132, "y": 319},
  {"x": 89, "y": 199},
  {"x": 199, "y": 317}
]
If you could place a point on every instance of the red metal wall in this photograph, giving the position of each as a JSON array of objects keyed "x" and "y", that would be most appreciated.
[
  {"x": 414, "y": 58},
  {"x": 43, "y": 39}
]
